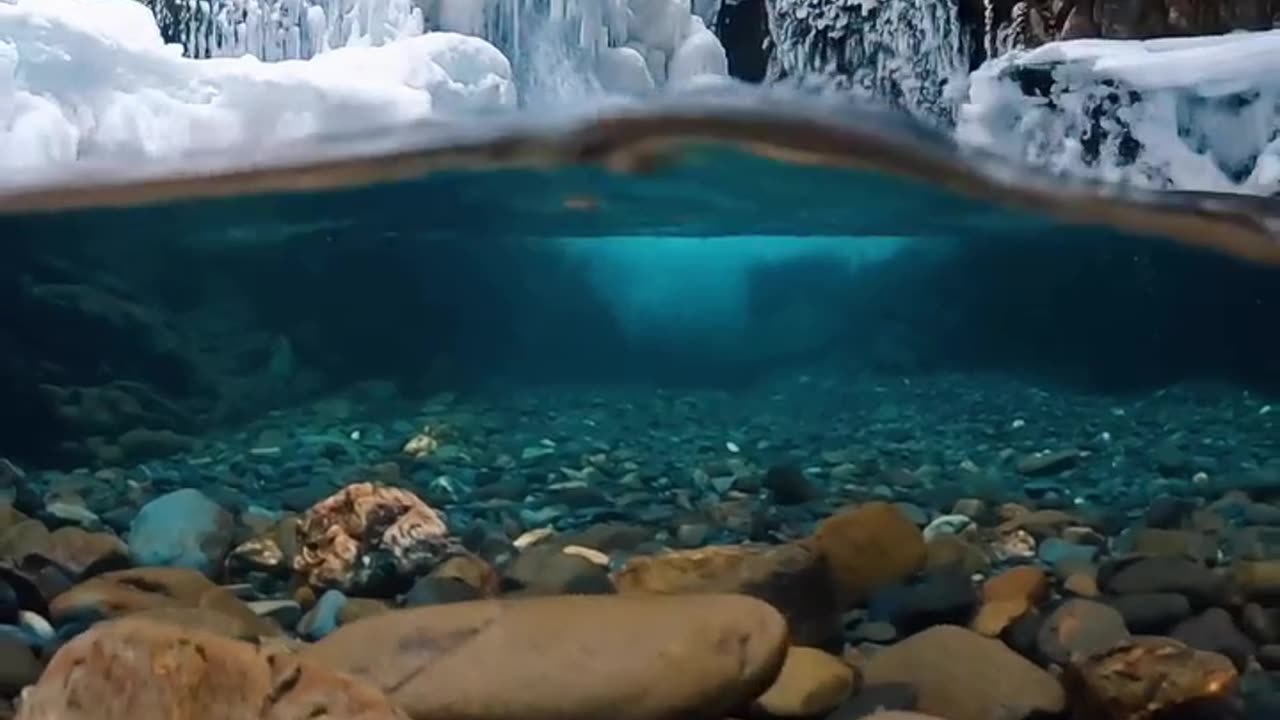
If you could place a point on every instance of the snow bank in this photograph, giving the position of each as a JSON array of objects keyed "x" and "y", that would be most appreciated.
[
  {"x": 1199, "y": 113},
  {"x": 82, "y": 78}
]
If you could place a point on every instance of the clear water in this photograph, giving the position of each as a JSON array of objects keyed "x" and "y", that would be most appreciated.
[{"x": 585, "y": 347}]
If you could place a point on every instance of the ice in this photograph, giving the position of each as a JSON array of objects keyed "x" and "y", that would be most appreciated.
[
  {"x": 292, "y": 29},
  {"x": 90, "y": 78},
  {"x": 699, "y": 53},
  {"x": 902, "y": 52},
  {"x": 624, "y": 71},
  {"x": 1199, "y": 113}
]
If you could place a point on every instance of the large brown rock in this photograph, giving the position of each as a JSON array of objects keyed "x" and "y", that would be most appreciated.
[
  {"x": 571, "y": 657},
  {"x": 793, "y": 578},
  {"x": 961, "y": 675},
  {"x": 869, "y": 547},
  {"x": 134, "y": 669}
]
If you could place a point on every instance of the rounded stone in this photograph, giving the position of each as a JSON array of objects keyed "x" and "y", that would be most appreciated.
[
  {"x": 870, "y": 547},
  {"x": 184, "y": 529},
  {"x": 572, "y": 657}
]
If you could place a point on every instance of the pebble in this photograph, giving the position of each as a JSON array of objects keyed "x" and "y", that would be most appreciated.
[{"x": 322, "y": 619}]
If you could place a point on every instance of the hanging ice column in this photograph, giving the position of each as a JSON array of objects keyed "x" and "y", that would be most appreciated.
[
  {"x": 274, "y": 30},
  {"x": 565, "y": 49}
]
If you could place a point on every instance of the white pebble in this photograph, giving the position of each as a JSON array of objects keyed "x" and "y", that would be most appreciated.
[
  {"x": 36, "y": 625},
  {"x": 589, "y": 554},
  {"x": 532, "y": 537},
  {"x": 947, "y": 525},
  {"x": 355, "y": 435},
  {"x": 732, "y": 447},
  {"x": 1018, "y": 424}
]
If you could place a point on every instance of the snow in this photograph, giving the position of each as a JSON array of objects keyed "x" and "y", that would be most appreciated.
[
  {"x": 1199, "y": 113},
  {"x": 92, "y": 78}
]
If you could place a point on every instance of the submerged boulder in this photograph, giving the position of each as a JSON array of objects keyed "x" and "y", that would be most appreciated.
[{"x": 569, "y": 657}]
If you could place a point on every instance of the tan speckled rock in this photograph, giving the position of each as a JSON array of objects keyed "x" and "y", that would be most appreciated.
[
  {"x": 134, "y": 669},
  {"x": 584, "y": 657}
]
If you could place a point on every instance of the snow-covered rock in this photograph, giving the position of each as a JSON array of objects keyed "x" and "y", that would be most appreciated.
[
  {"x": 92, "y": 78},
  {"x": 1197, "y": 113}
]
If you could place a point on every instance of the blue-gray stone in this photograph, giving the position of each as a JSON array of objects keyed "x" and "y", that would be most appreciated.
[
  {"x": 183, "y": 528},
  {"x": 323, "y": 618},
  {"x": 1056, "y": 550}
]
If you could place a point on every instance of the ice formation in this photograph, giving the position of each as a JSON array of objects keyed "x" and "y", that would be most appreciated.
[
  {"x": 904, "y": 52},
  {"x": 1199, "y": 113},
  {"x": 81, "y": 78},
  {"x": 285, "y": 29},
  {"x": 558, "y": 47},
  {"x": 619, "y": 46}
]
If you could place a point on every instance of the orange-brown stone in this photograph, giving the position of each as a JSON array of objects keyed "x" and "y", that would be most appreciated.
[
  {"x": 869, "y": 547},
  {"x": 133, "y": 669},
  {"x": 1008, "y": 596}
]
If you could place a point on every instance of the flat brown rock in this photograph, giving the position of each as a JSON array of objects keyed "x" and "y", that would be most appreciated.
[
  {"x": 124, "y": 592},
  {"x": 586, "y": 657},
  {"x": 135, "y": 670},
  {"x": 793, "y": 578}
]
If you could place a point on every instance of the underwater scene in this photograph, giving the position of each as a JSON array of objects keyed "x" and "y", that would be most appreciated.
[{"x": 639, "y": 360}]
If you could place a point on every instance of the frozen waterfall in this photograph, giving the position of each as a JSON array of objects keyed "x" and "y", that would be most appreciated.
[
  {"x": 560, "y": 49},
  {"x": 904, "y": 52}
]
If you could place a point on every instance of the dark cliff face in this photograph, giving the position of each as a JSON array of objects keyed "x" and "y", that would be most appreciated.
[{"x": 1029, "y": 23}]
